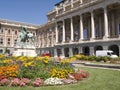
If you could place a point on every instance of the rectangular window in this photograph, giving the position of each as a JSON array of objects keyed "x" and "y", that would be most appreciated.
[
  {"x": 9, "y": 31},
  {"x": 1, "y": 40},
  {"x": 15, "y": 41},
  {"x": 8, "y": 41},
  {"x": 15, "y": 32},
  {"x": 85, "y": 34},
  {"x": 1, "y": 30}
]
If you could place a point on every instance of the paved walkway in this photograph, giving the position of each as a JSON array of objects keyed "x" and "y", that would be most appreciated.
[{"x": 95, "y": 65}]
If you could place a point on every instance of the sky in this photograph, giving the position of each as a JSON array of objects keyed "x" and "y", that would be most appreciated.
[{"x": 28, "y": 11}]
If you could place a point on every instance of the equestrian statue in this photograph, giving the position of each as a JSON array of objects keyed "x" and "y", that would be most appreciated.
[{"x": 25, "y": 36}]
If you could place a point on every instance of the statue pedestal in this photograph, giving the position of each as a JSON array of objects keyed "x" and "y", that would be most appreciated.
[{"x": 26, "y": 50}]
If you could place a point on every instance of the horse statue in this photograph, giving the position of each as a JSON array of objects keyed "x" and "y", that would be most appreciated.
[{"x": 25, "y": 36}]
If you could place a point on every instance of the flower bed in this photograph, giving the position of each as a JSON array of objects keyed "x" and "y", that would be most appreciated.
[{"x": 37, "y": 71}]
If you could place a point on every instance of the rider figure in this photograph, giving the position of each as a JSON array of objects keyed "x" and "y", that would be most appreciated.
[{"x": 23, "y": 35}]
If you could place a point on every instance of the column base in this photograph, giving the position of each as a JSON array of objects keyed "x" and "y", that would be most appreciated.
[
  {"x": 81, "y": 40},
  {"x": 62, "y": 57},
  {"x": 63, "y": 41},
  {"x": 105, "y": 37},
  {"x": 92, "y": 39},
  {"x": 55, "y": 56},
  {"x": 71, "y": 41}
]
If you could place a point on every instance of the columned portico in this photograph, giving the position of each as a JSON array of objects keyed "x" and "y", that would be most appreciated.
[{"x": 91, "y": 25}]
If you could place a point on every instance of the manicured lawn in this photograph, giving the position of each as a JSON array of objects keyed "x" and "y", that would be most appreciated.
[{"x": 98, "y": 79}]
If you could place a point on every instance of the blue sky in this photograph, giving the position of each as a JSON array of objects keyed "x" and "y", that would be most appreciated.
[{"x": 30, "y": 11}]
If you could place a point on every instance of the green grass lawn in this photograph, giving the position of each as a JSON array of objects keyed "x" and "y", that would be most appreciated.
[{"x": 98, "y": 79}]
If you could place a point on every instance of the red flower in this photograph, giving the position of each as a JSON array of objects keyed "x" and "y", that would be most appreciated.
[
  {"x": 2, "y": 77},
  {"x": 77, "y": 76},
  {"x": 83, "y": 73}
]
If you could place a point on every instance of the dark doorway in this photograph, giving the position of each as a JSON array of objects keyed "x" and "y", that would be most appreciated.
[
  {"x": 115, "y": 49},
  {"x": 86, "y": 50}
]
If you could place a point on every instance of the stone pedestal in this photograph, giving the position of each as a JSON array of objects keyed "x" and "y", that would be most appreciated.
[{"x": 25, "y": 50}]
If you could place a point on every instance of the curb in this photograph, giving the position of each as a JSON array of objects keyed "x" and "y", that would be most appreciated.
[{"x": 97, "y": 65}]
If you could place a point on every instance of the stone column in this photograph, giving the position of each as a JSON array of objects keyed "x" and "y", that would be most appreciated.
[
  {"x": 63, "y": 54},
  {"x": 100, "y": 28},
  {"x": 81, "y": 1},
  {"x": 72, "y": 3},
  {"x": 113, "y": 25},
  {"x": 105, "y": 47},
  {"x": 119, "y": 50},
  {"x": 92, "y": 26},
  {"x": 48, "y": 39},
  {"x": 80, "y": 50},
  {"x": 72, "y": 32},
  {"x": 56, "y": 33},
  {"x": 81, "y": 28},
  {"x": 5, "y": 39},
  {"x": 52, "y": 41},
  {"x": 92, "y": 51},
  {"x": 63, "y": 31},
  {"x": 55, "y": 52},
  {"x": 106, "y": 23},
  {"x": 43, "y": 40},
  {"x": 12, "y": 39},
  {"x": 56, "y": 9},
  {"x": 70, "y": 52},
  {"x": 64, "y": 7}
]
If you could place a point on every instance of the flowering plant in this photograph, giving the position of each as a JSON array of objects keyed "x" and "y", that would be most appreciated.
[
  {"x": 53, "y": 81},
  {"x": 84, "y": 74},
  {"x": 77, "y": 76},
  {"x": 19, "y": 82},
  {"x": 4, "y": 82},
  {"x": 38, "y": 82}
]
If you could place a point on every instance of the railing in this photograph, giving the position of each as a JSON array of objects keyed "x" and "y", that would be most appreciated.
[
  {"x": 114, "y": 36},
  {"x": 97, "y": 38}
]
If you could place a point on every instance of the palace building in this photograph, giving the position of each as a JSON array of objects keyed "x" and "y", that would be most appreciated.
[{"x": 73, "y": 27}]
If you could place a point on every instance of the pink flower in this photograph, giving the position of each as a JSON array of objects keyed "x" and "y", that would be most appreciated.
[
  {"x": 15, "y": 82},
  {"x": 38, "y": 82},
  {"x": 22, "y": 84},
  {"x": 4, "y": 82},
  {"x": 25, "y": 80}
]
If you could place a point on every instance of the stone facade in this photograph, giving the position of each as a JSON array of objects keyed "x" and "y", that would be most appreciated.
[
  {"x": 9, "y": 34},
  {"x": 74, "y": 27}
]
